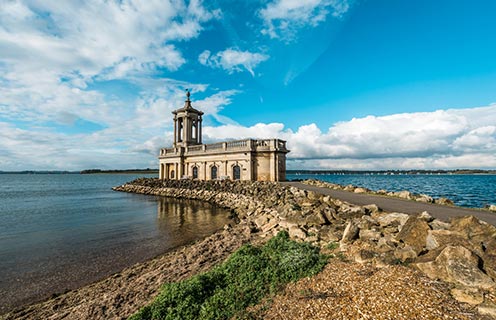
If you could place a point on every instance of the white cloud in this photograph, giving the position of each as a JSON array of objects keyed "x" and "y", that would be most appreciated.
[
  {"x": 441, "y": 139},
  {"x": 285, "y": 17},
  {"x": 51, "y": 51},
  {"x": 232, "y": 60}
]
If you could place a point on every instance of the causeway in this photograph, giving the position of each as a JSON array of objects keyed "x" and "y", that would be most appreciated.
[{"x": 390, "y": 204}]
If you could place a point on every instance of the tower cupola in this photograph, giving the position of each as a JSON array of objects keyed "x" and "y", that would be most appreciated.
[{"x": 187, "y": 124}]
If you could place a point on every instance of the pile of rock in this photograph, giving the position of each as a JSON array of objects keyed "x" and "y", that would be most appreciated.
[
  {"x": 399, "y": 194},
  {"x": 268, "y": 207},
  {"x": 462, "y": 252}
]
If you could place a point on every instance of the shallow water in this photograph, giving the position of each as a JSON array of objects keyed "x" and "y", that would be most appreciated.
[
  {"x": 60, "y": 231},
  {"x": 474, "y": 191}
]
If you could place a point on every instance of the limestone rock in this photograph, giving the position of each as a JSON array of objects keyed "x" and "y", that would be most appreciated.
[
  {"x": 468, "y": 295},
  {"x": 487, "y": 309},
  {"x": 372, "y": 208},
  {"x": 360, "y": 190},
  {"x": 296, "y": 232},
  {"x": 424, "y": 198},
  {"x": 444, "y": 201},
  {"x": 441, "y": 238},
  {"x": 425, "y": 216},
  {"x": 414, "y": 233},
  {"x": 456, "y": 264},
  {"x": 391, "y": 219},
  {"x": 489, "y": 258},
  {"x": 364, "y": 255},
  {"x": 261, "y": 221},
  {"x": 405, "y": 254},
  {"x": 477, "y": 231},
  {"x": 437, "y": 224},
  {"x": 350, "y": 232},
  {"x": 270, "y": 225},
  {"x": 369, "y": 235},
  {"x": 404, "y": 194},
  {"x": 492, "y": 207}
]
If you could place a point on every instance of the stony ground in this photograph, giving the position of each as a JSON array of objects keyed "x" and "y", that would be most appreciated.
[{"x": 346, "y": 290}]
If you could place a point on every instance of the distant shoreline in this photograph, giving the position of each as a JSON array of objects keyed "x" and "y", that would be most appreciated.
[{"x": 291, "y": 172}]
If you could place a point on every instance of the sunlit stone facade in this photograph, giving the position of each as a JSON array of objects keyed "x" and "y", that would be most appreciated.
[{"x": 189, "y": 158}]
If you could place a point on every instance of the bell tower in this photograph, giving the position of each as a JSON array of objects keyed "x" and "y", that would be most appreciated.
[{"x": 187, "y": 125}]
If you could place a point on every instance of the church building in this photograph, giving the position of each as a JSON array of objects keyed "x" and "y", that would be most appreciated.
[{"x": 248, "y": 159}]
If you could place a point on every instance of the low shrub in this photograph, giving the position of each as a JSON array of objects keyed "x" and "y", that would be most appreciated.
[{"x": 247, "y": 276}]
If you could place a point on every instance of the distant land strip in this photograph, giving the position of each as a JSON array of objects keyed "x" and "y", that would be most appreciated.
[
  {"x": 293, "y": 172},
  {"x": 391, "y": 172}
]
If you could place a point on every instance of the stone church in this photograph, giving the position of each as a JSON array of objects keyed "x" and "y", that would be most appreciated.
[{"x": 189, "y": 158}]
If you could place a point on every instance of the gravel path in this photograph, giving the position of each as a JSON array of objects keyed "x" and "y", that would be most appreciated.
[
  {"x": 399, "y": 205},
  {"x": 345, "y": 290}
]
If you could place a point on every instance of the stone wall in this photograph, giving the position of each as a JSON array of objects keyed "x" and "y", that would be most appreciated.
[{"x": 462, "y": 252}]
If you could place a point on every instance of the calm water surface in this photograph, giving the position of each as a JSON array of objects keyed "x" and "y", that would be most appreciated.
[
  {"x": 61, "y": 231},
  {"x": 474, "y": 191}
]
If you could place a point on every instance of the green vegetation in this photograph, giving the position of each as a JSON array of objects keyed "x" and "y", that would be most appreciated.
[
  {"x": 249, "y": 274},
  {"x": 332, "y": 245}
]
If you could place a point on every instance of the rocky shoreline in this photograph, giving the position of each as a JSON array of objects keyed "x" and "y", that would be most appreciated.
[{"x": 461, "y": 253}]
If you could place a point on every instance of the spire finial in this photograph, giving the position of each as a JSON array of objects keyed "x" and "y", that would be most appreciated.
[{"x": 187, "y": 94}]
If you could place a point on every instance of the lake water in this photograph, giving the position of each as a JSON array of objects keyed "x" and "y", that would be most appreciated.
[
  {"x": 474, "y": 191},
  {"x": 61, "y": 231}
]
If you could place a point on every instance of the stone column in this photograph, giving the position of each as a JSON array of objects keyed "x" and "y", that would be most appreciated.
[
  {"x": 200, "y": 130},
  {"x": 196, "y": 131},
  {"x": 175, "y": 131}
]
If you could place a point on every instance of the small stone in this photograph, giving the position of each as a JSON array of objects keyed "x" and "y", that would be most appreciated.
[
  {"x": 424, "y": 198},
  {"x": 444, "y": 201},
  {"x": 270, "y": 225},
  {"x": 360, "y": 190},
  {"x": 369, "y": 235},
  {"x": 296, "y": 232},
  {"x": 492, "y": 207},
  {"x": 350, "y": 232},
  {"x": 425, "y": 216},
  {"x": 372, "y": 208},
  {"x": 405, "y": 254}
]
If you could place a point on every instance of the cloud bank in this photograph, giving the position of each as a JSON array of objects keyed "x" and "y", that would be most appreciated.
[{"x": 453, "y": 138}]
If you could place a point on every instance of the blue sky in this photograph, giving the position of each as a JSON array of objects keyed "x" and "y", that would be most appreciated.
[{"x": 349, "y": 84}]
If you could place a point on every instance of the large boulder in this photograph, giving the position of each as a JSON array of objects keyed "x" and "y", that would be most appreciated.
[
  {"x": 477, "y": 231},
  {"x": 442, "y": 238},
  {"x": 414, "y": 233},
  {"x": 459, "y": 265}
]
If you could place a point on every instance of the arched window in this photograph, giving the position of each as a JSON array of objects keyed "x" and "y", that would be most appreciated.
[
  {"x": 172, "y": 174},
  {"x": 195, "y": 172},
  {"x": 236, "y": 172},
  {"x": 213, "y": 173}
]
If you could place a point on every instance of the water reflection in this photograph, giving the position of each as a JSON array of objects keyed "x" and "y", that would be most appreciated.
[{"x": 188, "y": 219}]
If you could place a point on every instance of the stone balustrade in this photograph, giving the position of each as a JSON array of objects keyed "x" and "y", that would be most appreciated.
[{"x": 238, "y": 145}]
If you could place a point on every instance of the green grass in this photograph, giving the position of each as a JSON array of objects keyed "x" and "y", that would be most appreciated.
[{"x": 250, "y": 274}]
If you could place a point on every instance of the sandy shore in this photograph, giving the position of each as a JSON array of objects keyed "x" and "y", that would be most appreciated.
[{"x": 122, "y": 294}]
